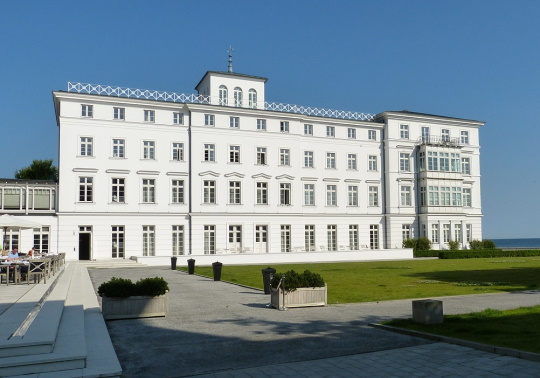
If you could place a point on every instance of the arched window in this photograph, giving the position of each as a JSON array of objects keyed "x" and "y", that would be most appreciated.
[
  {"x": 237, "y": 96},
  {"x": 223, "y": 94},
  {"x": 252, "y": 98}
]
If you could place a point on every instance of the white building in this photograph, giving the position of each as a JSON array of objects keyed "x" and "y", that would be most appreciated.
[{"x": 146, "y": 173}]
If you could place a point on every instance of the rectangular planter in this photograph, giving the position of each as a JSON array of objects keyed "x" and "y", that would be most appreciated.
[
  {"x": 135, "y": 307},
  {"x": 301, "y": 297}
]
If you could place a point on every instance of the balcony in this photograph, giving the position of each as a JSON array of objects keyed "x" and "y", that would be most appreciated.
[{"x": 439, "y": 140}]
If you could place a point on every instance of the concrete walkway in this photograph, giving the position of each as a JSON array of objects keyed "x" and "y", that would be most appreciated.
[{"x": 217, "y": 329}]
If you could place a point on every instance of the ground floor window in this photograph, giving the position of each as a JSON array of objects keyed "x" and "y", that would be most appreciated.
[
  {"x": 235, "y": 239},
  {"x": 331, "y": 231},
  {"x": 11, "y": 240},
  {"x": 117, "y": 242},
  {"x": 353, "y": 237},
  {"x": 41, "y": 239},
  {"x": 457, "y": 232},
  {"x": 177, "y": 240},
  {"x": 446, "y": 233},
  {"x": 209, "y": 240},
  {"x": 285, "y": 238},
  {"x": 469, "y": 232},
  {"x": 374, "y": 236},
  {"x": 406, "y": 231},
  {"x": 149, "y": 241},
  {"x": 435, "y": 233},
  {"x": 309, "y": 234}
]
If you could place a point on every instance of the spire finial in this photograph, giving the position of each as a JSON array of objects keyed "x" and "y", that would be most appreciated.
[{"x": 230, "y": 51}]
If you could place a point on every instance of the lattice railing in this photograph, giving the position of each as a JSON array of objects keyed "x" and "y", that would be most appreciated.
[{"x": 199, "y": 99}]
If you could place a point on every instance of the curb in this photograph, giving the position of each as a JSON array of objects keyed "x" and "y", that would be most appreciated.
[{"x": 470, "y": 344}]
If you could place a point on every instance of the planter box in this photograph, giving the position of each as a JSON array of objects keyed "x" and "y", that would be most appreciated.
[
  {"x": 135, "y": 307},
  {"x": 301, "y": 297}
]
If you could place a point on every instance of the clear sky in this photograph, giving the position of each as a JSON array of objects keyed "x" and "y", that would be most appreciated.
[{"x": 463, "y": 58}]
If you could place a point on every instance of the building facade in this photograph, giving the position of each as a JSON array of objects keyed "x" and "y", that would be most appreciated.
[{"x": 146, "y": 173}]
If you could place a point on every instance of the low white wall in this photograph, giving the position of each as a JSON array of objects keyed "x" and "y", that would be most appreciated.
[{"x": 281, "y": 258}]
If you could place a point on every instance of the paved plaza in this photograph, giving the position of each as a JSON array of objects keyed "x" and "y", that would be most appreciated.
[{"x": 216, "y": 329}]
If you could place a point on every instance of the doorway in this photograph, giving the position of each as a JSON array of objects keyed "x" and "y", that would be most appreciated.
[{"x": 85, "y": 242}]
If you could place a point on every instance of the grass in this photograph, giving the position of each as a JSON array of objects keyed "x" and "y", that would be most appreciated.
[
  {"x": 516, "y": 329},
  {"x": 387, "y": 280}
]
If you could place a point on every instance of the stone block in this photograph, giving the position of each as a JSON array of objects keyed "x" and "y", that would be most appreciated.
[{"x": 427, "y": 311}]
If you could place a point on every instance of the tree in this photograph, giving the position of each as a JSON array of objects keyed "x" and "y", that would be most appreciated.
[{"x": 38, "y": 170}]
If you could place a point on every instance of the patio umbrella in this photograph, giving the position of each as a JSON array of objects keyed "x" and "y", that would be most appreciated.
[{"x": 7, "y": 220}]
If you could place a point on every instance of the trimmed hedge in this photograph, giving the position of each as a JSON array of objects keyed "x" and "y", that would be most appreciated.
[
  {"x": 430, "y": 253},
  {"x": 487, "y": 253},
  {"x": 294, "y": 280},
  {"x": 123, "y": 287}
]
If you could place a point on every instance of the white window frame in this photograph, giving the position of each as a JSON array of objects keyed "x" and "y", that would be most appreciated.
[
  {"x": 331, "y": 195},
  {"x": 235, "y": 192},
  {"x": 284, "y": 157},
  {"x": 466, "y": 165},
  {"x": 372, "y": 134},
  {"x": 252, "y": 98},
  {"x": 223, "y": 95},
  {"x": 149, "y": 150},
  {"x": 148, "y": 191},
  {"x": 177, "y": 191},
  {"x": 352, "y": 195},
  {"x": 404, "y": 162},
  {"x": 234, "y": 154},
  {"x": 351, "y": 133},
  {"x": 118, "y": 190},
  {"x": 209, "y": 191},
  {"x": 467, "y": 197},
  {"x": 86, "y": 146},
  {"x": 309, "y": 194},
  {"x": 284, "y": 126},
  {"x": 373, "y": 194},
  {"x": 261, "y": 124},
  {"x": 209, "y": 120},
  {"x": 238, "y": 97},
  {"x": 118, "y": 148},
  {"x": 209, "y": 152},
  {"x": 178, "y": 240},
  {"x": 209, "y": 239},
  {"x": 86, "y": 189},
  {"x": 406, "y": 195},
  {"x": 308, "y": 129},
  {"x": 261, "y": 193},
  {"x": 149, "y": 116},
  {"x": 353, "y": 237},
  {"x": 177, "y": 151},
  {"x": 404, "y": 131},
  {"x": 464, "y": 137},
  {"x": 119, "y": 113},
  {"x": 372, "y": 163},
  {"x": 285, "y": 194},
  {"x": 261, "y": 156},
  {"x": 149, "y": 241},
  {"x": 178, "y": 118},
  {"x": 87, "y": 111},
  {"x": 331, "y": 234},
  {"x": 308, "y": 159},
  {"x": 352, "y": 162},
  {"x": 331, "y": 160},
  {"x": 330, "y": 131},
  {"x": 234, "y": 122}
]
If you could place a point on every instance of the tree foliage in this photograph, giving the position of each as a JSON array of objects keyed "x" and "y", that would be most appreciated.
[{"x": 38, "y": 170}]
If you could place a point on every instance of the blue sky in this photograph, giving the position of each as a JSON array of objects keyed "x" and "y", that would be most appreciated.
[{"x": 463, "y": 58}]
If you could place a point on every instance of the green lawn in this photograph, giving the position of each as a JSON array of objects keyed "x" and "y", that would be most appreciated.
[
  {"x": 516, "y": 329},
  {"x": 380, "y": 280}
]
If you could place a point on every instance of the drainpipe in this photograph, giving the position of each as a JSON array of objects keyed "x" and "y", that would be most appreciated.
[
  {"x": 383, "y": 185},
  {"x": 190, "y": 185}
]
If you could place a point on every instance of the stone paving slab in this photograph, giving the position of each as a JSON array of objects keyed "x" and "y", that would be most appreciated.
[{"x": 219, "y": 328}]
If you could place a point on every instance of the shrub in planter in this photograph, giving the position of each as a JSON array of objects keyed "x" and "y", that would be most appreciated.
[
  {"x": 122, "y": 287},
  {"x": 294, "y": 280}
]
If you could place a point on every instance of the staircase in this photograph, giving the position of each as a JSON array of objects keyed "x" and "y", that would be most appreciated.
[{"x": 57, "y": 330}]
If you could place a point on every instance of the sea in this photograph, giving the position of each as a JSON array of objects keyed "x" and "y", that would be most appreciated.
[{"x": 533, "y": 243}]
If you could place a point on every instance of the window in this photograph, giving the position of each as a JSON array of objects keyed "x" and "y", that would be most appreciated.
[
  {"x": 374, "y": 236},
  {"x": 308, "y": 129},
  {"x": 405, "y": 196},
  {"x": 309, "y": 194},
  {"x": 87, "y": 144},
  {"x": 285, "y": 194},
  {"x": 330, "y": 131},
  {"x": 423, "y": 201},
  {"x": 178, "y": 151},
  {"x": 285, "y": 238},
  {"x": 435, "y": 233},
  {"x": 85, "y": 189},
  {"x": 444, "y": 161},
  {"x": 262, "y": 193},
  {"x": 425, "y": 134},
  {"x": 209, "y": 152},
  {"x": 177, "y": 240},
  {"x": 234, "y": 122},
  {"x": 405, "y": 231},
  {"x": 373, "y": 196},
  {"x": 118, "y": 147},
  {"x": 238, "y": 96},
  {"x": 12, "y": 239},
  {"x": 404, "y": 164},
  {"x": 252, "y": 98},
  {"x": 178, "y": 118},
  {"x": 149, "y": 191},
  {"x": 119, "y": 113},
  {"x": 351, "y": 161},
  {"x": 117, "y": 242},
  {"x": 149, "y": 241},
  {"x": 284, "y": 156},
  {"x": 149, "y": 116},
  {"x": 261, "y": 124},
  {"x": 433, "y": 161},
  {"x": 118, "y": 190},
  {"x": 235, "y": 238},
  {"x": 466, "y": 166},
  {"x": 331, "y": 160},
  {"x": 352, "y": 194},
  {"x": 455, "y": 162},
  {"x": 209, "y": 120},
  {"x": 177, "y": 191},
  {"x": 41, "y": 239},
  {"x": 469, "y": 232},
  {"x": 446, "y": 232},
  {"x": 39, "y": 198},
  {"x": 456, "y": 196},
  {"x": 14, "y": 198},
  {"x": 209, "y": 191},
  {"x": 284, "y": 126},
  {"x": 351, "y": 133},
  {"x": 309, "y": 237},
  {"x": 353, "y": 237},
  {"x": 464, "y": 137},
  {"x": 331, "y": 232},
  {"x": 209, "y": 240},
  {"x": 445, "y": 134},
  {"x": 261, "y": 156},
  {"x": 372, "y": 135},
  {"x": 404, "y": 131},
  {"x": 331, "y": 195},
  {"x": 234, "y": 154},
  {"x": 372, "y": 162},
  {"x": 457, "y": 232},
  {"x": 223, "y": 94},
  {"x": 234, "y": 192},
  {"x": 308, "y": 159},
  {"x": 467, "y": 202},
  {"x": 87, "y": 111},
  {"x": 149, "y": 149}
]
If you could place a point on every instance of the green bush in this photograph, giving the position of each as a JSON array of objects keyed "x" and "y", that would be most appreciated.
[
  {"x": 453, "y": 245},
  {"x": 486, "y": 253},
  {"x": 294, "y": 280},
  {"x": 423, "y": 244},
  {"x": 409, "y": 243},
  {"x": 482, "y": 244},
  {"x": 430, "y": 253},
  {"x": 122, "y": 287},
  {"x": 475, "y": 244}
]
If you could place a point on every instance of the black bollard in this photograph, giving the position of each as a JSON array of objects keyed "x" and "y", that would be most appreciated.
[
  {"x": 216, "y": 267},
  {"x": 267, "y": 279},
  {"x": 191, "y": 266},
  {"x": 173, "y": 262}
]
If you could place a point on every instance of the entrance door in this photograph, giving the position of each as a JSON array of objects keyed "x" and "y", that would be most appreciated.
[
  {"x": 235, "y": 239},
  {"x": 261, "y": 233},
  {"x": 85, "y": 242}
]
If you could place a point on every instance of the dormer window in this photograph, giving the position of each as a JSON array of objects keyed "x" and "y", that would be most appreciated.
[
  {"x": 252, "y": 98},
  {"x": 223, "y": 94},
  {"x": 237, "y": 96}
]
